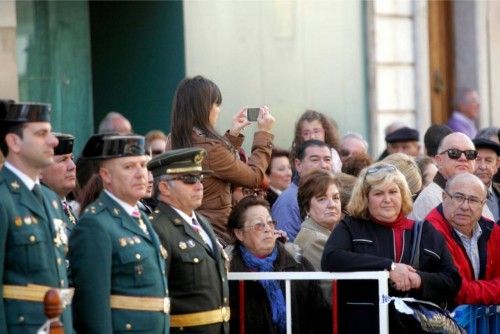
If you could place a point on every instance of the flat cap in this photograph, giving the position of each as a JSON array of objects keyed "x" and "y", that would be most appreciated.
[
  {"x": 24, "y": 112},
  {"x": 65, "y": 145},
  {"x": 109, "y": 146},
  {"x": 486, "y": 143},
  {"x": 184, "y": 160},
  {"x": 403, "y": 134}
]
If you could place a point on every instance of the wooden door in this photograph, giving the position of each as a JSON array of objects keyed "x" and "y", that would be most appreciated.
[{"x": 441, "y": 60}]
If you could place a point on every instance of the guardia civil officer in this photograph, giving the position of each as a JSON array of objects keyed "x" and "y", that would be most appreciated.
[
  {"x": 32, "y": 232},
  {"x": 61, "y": 176},
  {"x": 196, "y": 263},
  {"x": 117, "y": 264}
]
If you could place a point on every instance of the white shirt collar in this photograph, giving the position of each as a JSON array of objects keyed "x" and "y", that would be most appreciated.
[
  {"x": 127, "y": 207},
  {"x": 28, "y": 181},
  {"x": 188, "y": 219},
  {"x": 476, "y": 233}
]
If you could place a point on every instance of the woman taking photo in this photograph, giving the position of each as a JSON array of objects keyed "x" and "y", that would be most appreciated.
[
  {"x": 378, "y": 236},
  {"x": 263, "y": 302},
  {"x": 196, "y": 108}
]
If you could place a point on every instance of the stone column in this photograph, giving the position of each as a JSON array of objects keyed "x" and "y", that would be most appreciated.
[{"x": 8, "y": 74}]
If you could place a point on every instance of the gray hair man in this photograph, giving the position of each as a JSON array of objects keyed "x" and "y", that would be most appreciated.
[{"x": 473, "y": 241}]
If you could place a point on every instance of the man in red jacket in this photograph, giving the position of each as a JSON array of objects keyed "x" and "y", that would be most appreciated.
[{"x": 473, "y": 241}]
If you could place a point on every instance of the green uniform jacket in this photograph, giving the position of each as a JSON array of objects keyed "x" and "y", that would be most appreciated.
[
  {"x": 197, "y": 276},
  {"x": 110, "y": 255},
  {"x": 31, "y": 252}
]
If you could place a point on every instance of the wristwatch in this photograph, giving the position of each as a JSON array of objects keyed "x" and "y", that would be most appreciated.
[{"x": 393, "y": 266}]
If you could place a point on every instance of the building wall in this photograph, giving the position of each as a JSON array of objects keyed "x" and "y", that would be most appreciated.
[
  {"x": 493, "y": 13},
  {"x": 8, "y": 74},
  {"x": 137, "y": 60},
  {"x": 290, "y": 55},
  {"x": 53, "y": 62}
]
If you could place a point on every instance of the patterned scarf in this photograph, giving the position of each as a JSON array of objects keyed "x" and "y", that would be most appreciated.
[{"x": 272, "y": 288}]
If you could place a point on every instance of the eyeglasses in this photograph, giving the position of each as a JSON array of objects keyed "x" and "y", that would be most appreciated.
[
  {"x": 259, "y": 227},
  {"x": 254, "y": 192},
  {"x": 455, "y": 154},
  {"x": 188, "y": 179},
  {"x": 459, "y": 199}
]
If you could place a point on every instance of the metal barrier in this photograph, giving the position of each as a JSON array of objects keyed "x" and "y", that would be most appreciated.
[
  {"x": 381, "y": 276},
  {"x": 478, "y": 319}
]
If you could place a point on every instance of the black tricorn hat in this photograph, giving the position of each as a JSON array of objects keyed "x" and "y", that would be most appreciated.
[
  {"x": 486, "y": 143},
  {"x": 24, "y": 112},
  {"x": 181, "y": 161},
  {"x": 65, "y": 145},
  {"x": 109, "y": 146},
  {"x": 403, "y": 134}
]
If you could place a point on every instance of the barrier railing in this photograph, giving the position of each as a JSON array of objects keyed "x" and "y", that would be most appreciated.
[
  {"x": 478, "y": 319},
  {"x": 381, "y": 276}
]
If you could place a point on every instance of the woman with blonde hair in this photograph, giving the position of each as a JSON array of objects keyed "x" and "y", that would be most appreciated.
[{"x": 378, "y": 236}]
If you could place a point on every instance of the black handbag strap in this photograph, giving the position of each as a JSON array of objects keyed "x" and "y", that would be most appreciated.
[{"x": 415, "y": 248}]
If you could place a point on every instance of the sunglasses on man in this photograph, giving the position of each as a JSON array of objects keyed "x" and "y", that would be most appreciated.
[
  {"x": 455, "y": 154},
  {"x": 188, "y": 178}
]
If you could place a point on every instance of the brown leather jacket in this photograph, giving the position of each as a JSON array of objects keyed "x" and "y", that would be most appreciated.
[{"x": 229, "y": 169}]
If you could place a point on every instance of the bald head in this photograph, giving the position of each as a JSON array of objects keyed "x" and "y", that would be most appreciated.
[
  {"x": 449, "y": 167},
  {"x": 463, "y": 201}
]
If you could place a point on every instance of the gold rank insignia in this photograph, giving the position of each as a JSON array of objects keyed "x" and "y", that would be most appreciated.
[
  {"x": 182, "y": 245},
  {"x": 14, "y": 185},
  {"x": 18, "y": 221},
  {"x": 163, "y": 252},
  {"x": 198, "y": 158},
  {"x": 116, "y": 211},
  {"x": 123, "y": 242},
  {"x": 177, "y": 220}
]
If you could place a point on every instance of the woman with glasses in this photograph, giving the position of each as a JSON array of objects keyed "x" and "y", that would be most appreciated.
[
  {"x": 260, "y": 306},
  {"x": 378, "y": 236},
  {"x": 195, "y": 112}
]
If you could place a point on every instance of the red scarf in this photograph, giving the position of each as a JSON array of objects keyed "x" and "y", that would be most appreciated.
[{"x": 398, "y": 226}]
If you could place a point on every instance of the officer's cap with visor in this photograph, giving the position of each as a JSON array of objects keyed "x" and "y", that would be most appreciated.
[
  {"x": 181, "y": 161},
  {"x": 111, "y": 146}
]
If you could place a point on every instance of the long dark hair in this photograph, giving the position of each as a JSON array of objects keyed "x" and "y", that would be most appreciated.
[{"x": 193, "y": 101}]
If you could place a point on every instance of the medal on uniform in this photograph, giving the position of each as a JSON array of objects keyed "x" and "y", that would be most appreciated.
[
  {"x": 34, "y": 220},
  {"x": 18, "y": 221},
  {"x": 191, "y": 243},
  {"x": 27, "y": 220},
  {"x": 137, "y": 240},
  {"x": 182, "y": 245},
  {"x": 131, "y": 241},
  {"x": 163, "y": 252},
  {"x": 123, "y": 242}
]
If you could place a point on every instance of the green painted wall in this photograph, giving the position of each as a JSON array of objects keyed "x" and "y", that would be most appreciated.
[
  {"x": 137, "y": 60},
  {"x": 53, "y": 59}
]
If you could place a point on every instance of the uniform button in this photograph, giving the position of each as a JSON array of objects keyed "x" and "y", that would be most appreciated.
[
  {"x": 225, "y": 299},
  {"x": 20, "y": 319},
  {"x": 62, "y": 283},
  {"x": 32, "y": 238},
  {"x": 59, "y": 261},
  {"x": 195, "y": 260},
  {"x": 138, "y": 256},
  {"x": 128, "y": 327}
]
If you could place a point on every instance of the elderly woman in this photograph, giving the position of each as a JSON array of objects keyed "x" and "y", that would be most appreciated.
[
  {"x": 257, "y": 249},
  {"x": 319, "y": 202},
  {"x": 378, "y": 236}
]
